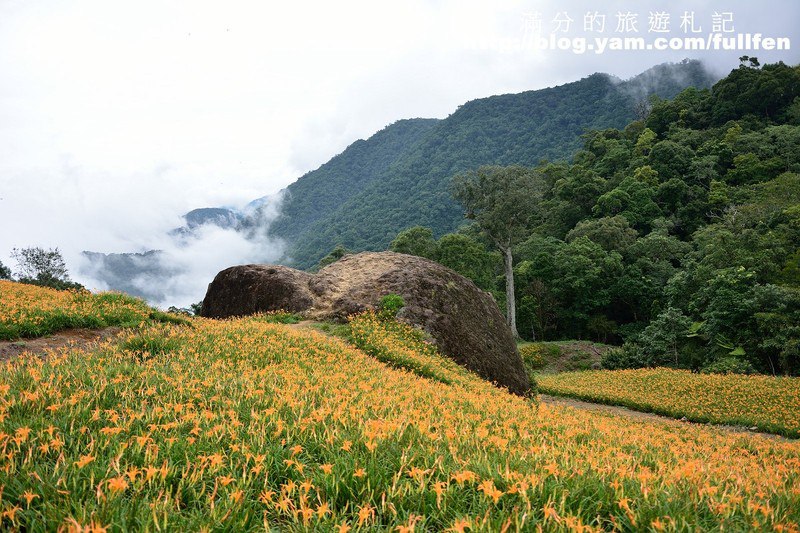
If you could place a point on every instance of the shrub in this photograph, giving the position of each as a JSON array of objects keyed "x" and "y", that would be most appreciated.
[
  {"x": 390, "y": 305},
  {"x": 45, "y": 268},
  {"x": 627, "y": 356},
  {"x": 729, "y": 365},
  {"x": 662, "y": 340}
]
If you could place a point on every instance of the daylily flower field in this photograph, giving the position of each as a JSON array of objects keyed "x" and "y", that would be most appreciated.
[
  {"x": 765, "y": 402},
  {"x": 247, "y": 425}
]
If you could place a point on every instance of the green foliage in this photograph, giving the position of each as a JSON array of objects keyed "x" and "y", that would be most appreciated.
[
  {"x": 169, "y": 318},
  {"x": 5, "y": 272},
  {"x": 694, "y": 223},
  {"x": 336, "y": 330},
  {"x": 390, "y": 305},
  {"x": 398, "y": 178},
  {"x": 601, "y": 328},
  {"x": 645, "y": 142},
  {"x": 35, "y": 262},
  {"x": 58, "y": 284},
  {"x": 45, "y": 268},
  {"x": 578, "y": 275},
  {"x": 278, "y": 317},
  {"x": 502, "y": 201},
  {"x": 678, "y": 234},
  {"x": 319, "y": 193},
  {"x": 415, "y": 241},
  {"x": 662, "y": 340},
  {"x": 612, "y": 233},
  {"x": 626, "y": 356},
  {"x": 470, "y": 258},
  {"x": 728, "y": 365},
  {"x": 462, "y": 252}
]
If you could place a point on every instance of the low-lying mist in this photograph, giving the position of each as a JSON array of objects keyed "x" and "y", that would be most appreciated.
[{"x": 175, "y": 268}]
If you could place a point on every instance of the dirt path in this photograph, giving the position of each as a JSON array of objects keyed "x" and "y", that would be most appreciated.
[
  {"x": 304, "y": 324},
  {"x": 79, "y": 338},
  {"x": 647, "y": 417}
]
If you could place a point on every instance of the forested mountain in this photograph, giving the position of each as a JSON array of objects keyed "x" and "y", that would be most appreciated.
[
  {"x": 320, "y": 192},
  {"x": 399, "y": 177},
  {"x": 678, "y": 234}
]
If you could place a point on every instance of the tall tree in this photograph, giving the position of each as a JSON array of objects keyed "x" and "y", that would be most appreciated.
[
  {"x": 415, "y": 241},
  {"x": 47, "y": 268},
  {"x": 502, "y": 201},
  {"x": 36, "y": 263}
]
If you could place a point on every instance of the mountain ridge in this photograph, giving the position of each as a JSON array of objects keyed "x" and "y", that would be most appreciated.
[
  {"x": 398, "y": 177},
  {"x": 515, "y": 128}
]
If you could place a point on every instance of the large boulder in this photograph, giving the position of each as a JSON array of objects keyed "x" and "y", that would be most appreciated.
[
  {"x": 463, "y": 320},
  {"x": 248, "y": 289}
]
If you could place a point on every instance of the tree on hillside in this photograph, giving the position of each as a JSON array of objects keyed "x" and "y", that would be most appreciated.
[
  {"x": 502, "y": 201},
  {"x": 337, "y": 253},
  {"x": 469, "y": 258},
  {"x": 35, "y": 262},
  {"x": 5, "y": 272},
  {"x": 47, "y": 268},
  {"x": 415, "y": 241}
]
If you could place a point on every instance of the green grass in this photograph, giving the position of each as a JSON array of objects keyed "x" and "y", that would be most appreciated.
[
  {"x": 29, "y": 311},
  {"x": 400, "y": 346}
]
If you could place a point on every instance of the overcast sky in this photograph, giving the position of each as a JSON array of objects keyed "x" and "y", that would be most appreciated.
[{"x": 118, "y": 117}]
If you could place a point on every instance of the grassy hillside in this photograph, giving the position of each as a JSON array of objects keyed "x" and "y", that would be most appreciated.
[
  {"x": 246, "y": 424},
  {"x": 32, "y": 311},
  {"x": 366, "y": 208},
  {"x": 562, "y": 356}
]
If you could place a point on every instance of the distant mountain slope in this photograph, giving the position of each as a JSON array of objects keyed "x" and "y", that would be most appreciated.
[
  {"x": 137, "y": 274},
  {"x": 361, "y": 203},
  {"x": 320, "y": 192}
]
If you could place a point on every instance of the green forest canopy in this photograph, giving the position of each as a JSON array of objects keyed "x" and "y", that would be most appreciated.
[
  {"x": 678, "y": 235},
  {"x": 400, "y": 177}
]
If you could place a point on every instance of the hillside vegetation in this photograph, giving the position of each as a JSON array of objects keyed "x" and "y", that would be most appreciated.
[
  {"x": 400, "y": 177},
  {"x": 677, "y": 235},
  {"x": 247, "y": 424},
  {"x": 33, "y": 311}
]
